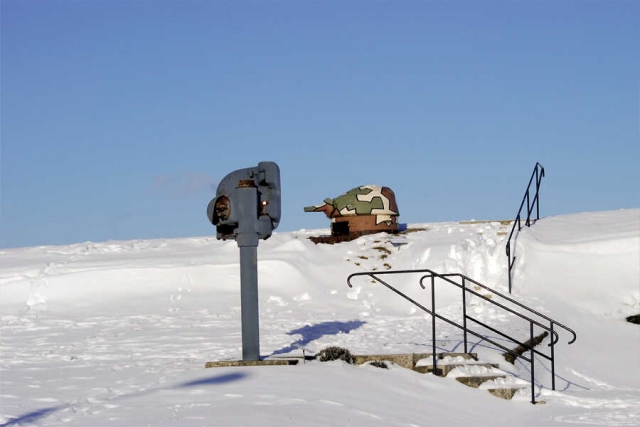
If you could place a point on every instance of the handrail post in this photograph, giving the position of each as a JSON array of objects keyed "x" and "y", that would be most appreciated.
[
  {"x": 553, "y": 360},
  {"x": 510, "y": 264},
  {"x": 433, "y": 324},
  {"x": 533, "y": 363},
  {"x": 537, "y": 194},
  {"x": 464, "y": 313},
  {"x": 538, "y": 187},
  {"x": 527, "y": 223}
]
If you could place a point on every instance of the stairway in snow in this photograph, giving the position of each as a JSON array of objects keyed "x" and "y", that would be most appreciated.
[{"x": 463, "y": 367}]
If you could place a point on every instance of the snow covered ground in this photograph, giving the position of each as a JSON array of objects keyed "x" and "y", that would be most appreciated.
[{"x": 118, "y": 333}]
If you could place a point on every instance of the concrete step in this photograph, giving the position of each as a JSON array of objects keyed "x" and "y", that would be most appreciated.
[
  {"x": 496, "y": 381},
  {"x": 476, "y": 381},
  {"x": 409, "y": 360},
  {"x": 470, "y": 372},
  {"x": 506, "y": 393},
  {"x": 406, "y": 360},
  {"x": 227, "y": 363}
]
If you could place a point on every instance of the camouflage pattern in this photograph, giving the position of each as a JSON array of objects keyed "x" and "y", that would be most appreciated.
[{"x": 363, "y": 200}]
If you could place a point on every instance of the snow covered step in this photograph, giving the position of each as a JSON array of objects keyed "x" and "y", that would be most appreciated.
[
  {"x": 476, "y": 381},
  {"x": 450, "y": 361},
  {"x": 444, "y": 369},
  {"x": 464, "y": 367},
  {"x": 508, "y": 393},
  {"x": 455, "y": 356},
  {"x": 406, "y": 360},
  {"x": 411, "y": 360},
  {"x": 476, "y": 370},
  {"x": 488, "y": 377}
]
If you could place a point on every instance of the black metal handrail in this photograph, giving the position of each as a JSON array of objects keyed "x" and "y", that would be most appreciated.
[
  {"x": 538, "y": 174},
  {"x": 430, "y": 274}
]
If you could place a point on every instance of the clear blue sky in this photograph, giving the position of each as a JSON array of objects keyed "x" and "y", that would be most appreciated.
[{"x": 119, "y": 117}]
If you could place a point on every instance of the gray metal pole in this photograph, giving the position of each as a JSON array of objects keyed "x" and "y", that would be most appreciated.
[
  {"x": 247, "y": 209},
  {"x": 249, "y": 302}
]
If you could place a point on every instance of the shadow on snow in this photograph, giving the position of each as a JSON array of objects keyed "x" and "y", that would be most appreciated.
[
  {"x": 34, "y": 416},
  {"x": 313, "y": 332},
  {"x": 218, "y": 379}
]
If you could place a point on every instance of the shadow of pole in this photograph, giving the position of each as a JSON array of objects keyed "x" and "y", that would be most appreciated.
[{"x": 313, "y": 332}]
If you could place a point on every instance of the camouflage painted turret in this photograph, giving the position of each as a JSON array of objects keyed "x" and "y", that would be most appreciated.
[{"x": 361, "y": 210}]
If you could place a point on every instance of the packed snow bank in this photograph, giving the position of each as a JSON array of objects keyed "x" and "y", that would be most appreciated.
[
  {"x": 589, "y": 261},
  {"x": 117, "y": 333},
  {"x": 584, "y": 270}
]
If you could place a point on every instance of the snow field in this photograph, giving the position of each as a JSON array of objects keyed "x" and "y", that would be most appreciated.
[{"x": 118, "y": 333}]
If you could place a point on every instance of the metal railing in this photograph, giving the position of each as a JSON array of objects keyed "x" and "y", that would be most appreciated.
[
  {"x": 538, "y": 174},
  {"x": 468, "y": 320}
]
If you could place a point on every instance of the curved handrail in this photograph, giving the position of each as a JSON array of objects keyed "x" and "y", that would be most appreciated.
[
  {"x": 427, "y": 273},
  {"x": 511, "y": 300},
  {"x": 417, "y": 304},
  {"x": 443, "y": 277},
  {"x": 414, "y": 302}
]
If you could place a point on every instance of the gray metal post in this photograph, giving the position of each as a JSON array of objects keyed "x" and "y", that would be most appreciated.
[
  {"x": 247, "y": 208},
  {"x": 247, "y": 240},
  {"x": 249, "y": 302}
]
